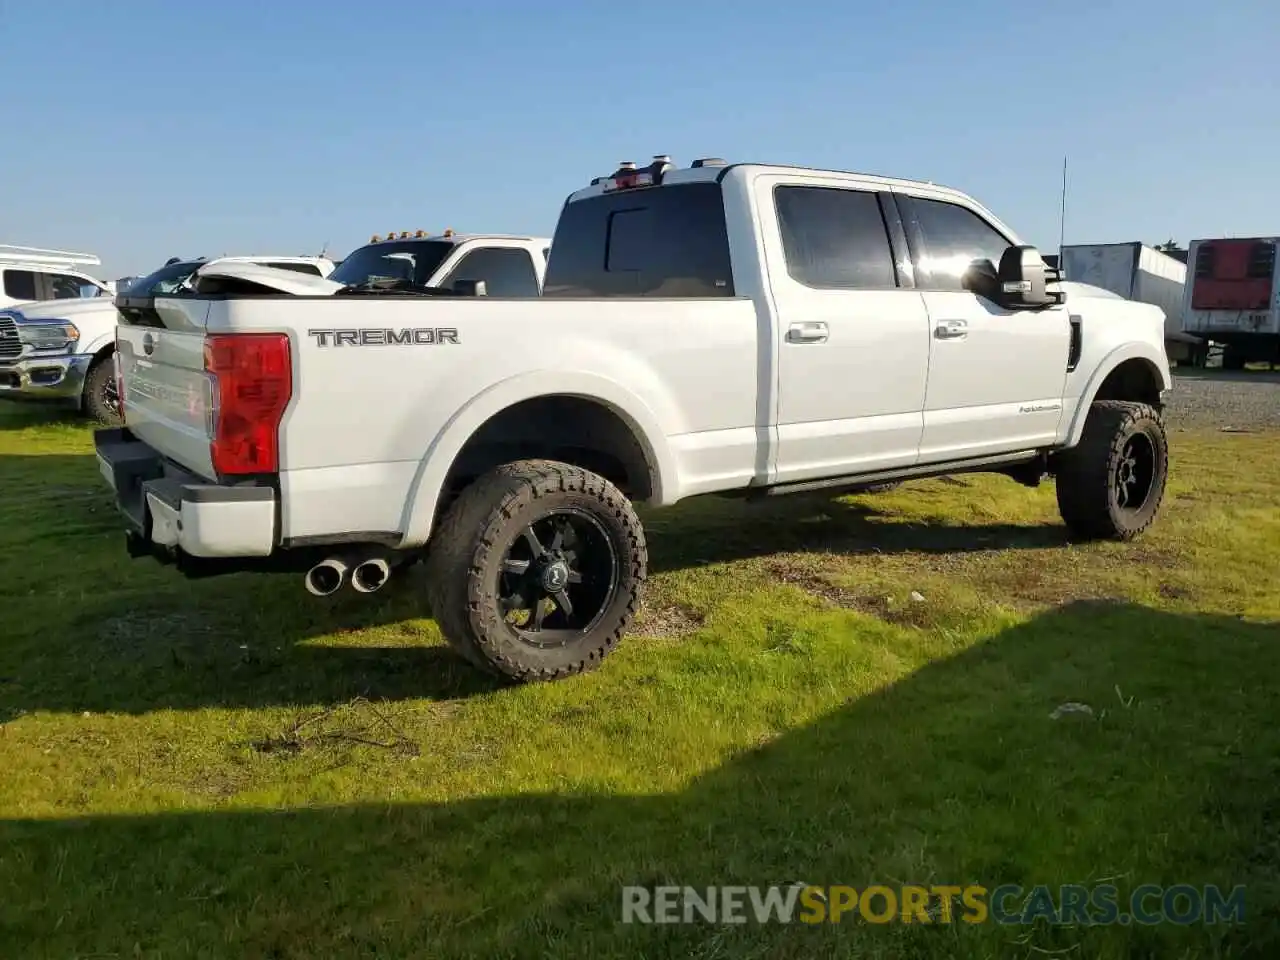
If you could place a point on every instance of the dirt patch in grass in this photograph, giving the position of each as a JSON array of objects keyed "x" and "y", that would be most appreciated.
[
  {"x": 660, "y": 618},
  {"x": 807, "y": 574}
]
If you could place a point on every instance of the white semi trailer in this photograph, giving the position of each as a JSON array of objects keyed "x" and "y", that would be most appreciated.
[{"x": 1136, "y": 271}]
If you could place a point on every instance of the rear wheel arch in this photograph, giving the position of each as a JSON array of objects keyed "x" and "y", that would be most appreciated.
[{"x": 619, "y": 441}]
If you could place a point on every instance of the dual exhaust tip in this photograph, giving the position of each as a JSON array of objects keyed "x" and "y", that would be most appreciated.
[{"x": 329, "y": 575}]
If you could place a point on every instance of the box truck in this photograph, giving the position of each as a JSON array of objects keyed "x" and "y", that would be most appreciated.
[{"x": 1136, "y": 271}]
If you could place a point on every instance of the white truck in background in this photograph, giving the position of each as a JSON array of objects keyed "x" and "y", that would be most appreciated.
[
  {"x": 59, "y": 351},
  {"x": 31, "y": 274},
  {"x": 1139, "y": 272},
  {"x": 736, "y": 329}
]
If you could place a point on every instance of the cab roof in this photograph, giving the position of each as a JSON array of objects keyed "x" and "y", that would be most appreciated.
[{"x": 711, "y": 169}]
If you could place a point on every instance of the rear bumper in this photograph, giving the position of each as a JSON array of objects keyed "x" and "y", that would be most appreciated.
[
  {"x": 44, "y": 378},
  {"x": 174, "y": 515}
]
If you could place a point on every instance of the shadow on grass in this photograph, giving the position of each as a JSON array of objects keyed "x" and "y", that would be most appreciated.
[
  {"x": 93, "y": 630},
  {"x": 956, "y": 774},
  {"x": 18, "y": 415}
]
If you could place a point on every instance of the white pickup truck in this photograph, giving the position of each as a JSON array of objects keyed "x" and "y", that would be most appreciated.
[{"x": 724, "y": 328}]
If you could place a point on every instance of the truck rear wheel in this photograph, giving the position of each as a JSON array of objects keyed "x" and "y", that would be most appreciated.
[
  {"x": 1110, "y": 485},
  {"x": 535, "y": 571}
]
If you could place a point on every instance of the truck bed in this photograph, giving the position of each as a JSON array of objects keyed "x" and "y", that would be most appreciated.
[{"x": 401, "y": 378}]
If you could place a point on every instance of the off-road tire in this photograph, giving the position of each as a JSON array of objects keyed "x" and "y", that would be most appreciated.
[
  {"x": 1088, "y": 474},
  {"x": 101, "y": 375},
  {"x": 467, "y": 550}
]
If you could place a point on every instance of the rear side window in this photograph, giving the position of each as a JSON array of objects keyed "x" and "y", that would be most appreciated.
[
  {"x": 20, "y": 285},
  {"x": 308, "y": 268},
  {"x": 834, "y": 238},
  {"x": 658, "y": 242}
]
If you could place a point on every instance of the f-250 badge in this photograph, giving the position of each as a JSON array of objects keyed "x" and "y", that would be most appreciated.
[{"x": 428, "y": 336}]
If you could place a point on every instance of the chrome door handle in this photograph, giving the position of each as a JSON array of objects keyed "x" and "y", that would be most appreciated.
[
  {"x": 809, "y": 332},
  {"x": 951, "y": 330}
]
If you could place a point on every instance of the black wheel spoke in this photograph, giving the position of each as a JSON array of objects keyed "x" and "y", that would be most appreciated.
[
  {"x": 531, "y": 538},
  {"x": 537, "y": 614},
  {"x": 547, "y": 557}
]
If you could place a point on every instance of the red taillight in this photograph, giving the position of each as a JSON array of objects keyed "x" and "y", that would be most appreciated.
[{"x": 251, "y": 380}]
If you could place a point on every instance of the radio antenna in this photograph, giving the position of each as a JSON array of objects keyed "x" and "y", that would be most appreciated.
[{"x": 1062, "y": 213}]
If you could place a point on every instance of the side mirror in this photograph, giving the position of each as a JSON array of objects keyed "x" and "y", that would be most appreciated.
[
  {"x": 1022, "y": 277},
  {"x": 470, "y": 288},
  {"x": 981, "y": 278}
]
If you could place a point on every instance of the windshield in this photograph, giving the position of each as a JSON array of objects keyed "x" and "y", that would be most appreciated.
[
  {"x": 413, "y": 261},
  {"x": 165, "y": 280}
]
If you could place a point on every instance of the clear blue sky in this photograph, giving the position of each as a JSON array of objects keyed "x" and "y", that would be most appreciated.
[{"x": 144, "y": 129}]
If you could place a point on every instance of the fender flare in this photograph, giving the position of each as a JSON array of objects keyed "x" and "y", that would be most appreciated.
[
  {"x": 435, "y": 464},
  {"x": 1135, "y": 350},
  {"x": 95, "y": 345}
]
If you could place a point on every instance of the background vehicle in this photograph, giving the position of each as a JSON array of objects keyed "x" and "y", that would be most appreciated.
[
  {"x": 59, "y": 351},
  {"x": 1136, "y": 271},
  {"x": 508, "y": 266},
  {"x": 1234, "y": 298},
  {"x": 30, "y": 274},
  {"x": 738, "y": 329}
]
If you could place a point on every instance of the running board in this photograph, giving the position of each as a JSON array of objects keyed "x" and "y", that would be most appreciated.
[{"x": 851, "y": 482}]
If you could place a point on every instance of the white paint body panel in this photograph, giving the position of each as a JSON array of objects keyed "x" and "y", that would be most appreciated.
[
  {"x": 997, "y": 386},
  {"x": 718, "y": 394}
]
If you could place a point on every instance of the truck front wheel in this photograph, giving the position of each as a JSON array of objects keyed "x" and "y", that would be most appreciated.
[
  {"x": 535, "y": 570},
  {"x": 99, "y": 399},
  {"x": 1110, "y": 485}
]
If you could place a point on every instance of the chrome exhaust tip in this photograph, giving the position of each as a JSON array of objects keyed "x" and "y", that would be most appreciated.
[
  {"x": 326, "y": 577},
  {"x": 370, "y": 575}
]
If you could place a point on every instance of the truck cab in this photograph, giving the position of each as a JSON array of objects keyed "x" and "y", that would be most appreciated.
[{"x": 508, "y": 266}]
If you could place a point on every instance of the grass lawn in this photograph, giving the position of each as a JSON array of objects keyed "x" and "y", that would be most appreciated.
[{"x": 231, "y": 768}]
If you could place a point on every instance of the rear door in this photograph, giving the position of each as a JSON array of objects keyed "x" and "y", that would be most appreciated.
[
  {"x": 996, "y": 376},
  {"x": 853, "y": 335}
]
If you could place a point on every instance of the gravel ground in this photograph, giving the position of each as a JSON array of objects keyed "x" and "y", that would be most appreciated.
[{"x": 1212, "y": 399}]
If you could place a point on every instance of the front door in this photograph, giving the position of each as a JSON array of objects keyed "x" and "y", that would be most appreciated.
[
  {"x": 996, "y": 376},
  {"x": 852, "y": 344}
]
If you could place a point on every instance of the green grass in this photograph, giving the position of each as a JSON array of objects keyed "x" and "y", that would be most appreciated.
[{"x": 229, "y": 768}]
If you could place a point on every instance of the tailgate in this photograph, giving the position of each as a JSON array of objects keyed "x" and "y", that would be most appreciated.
[{"x": 160, "y": 349}]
